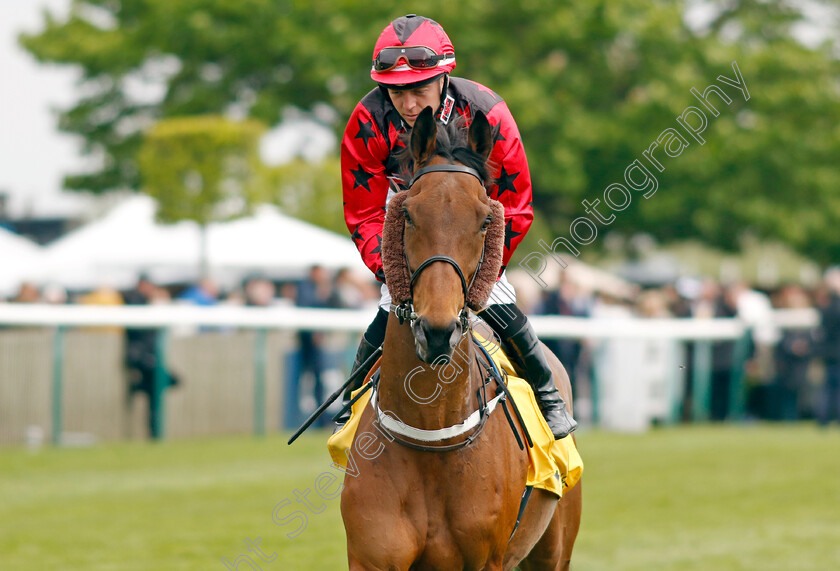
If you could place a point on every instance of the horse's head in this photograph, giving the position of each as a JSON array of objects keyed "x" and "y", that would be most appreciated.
[{"x": 447, "y": 214}]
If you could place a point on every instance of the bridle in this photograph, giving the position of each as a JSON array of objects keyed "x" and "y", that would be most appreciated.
[
  {"x": 444, "y": 168},
  {"x": 420, "y": 439},
  {"x": 405, "y": 310}
]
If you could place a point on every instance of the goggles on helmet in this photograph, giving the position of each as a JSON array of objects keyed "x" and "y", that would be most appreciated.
[{"x": 417, "y": 57}]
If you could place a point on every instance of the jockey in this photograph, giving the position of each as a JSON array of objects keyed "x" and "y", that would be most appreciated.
[{"x": 412, "y": 60}]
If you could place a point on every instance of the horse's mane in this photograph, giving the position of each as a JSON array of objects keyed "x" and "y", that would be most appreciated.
[{"x": 452, "y": 145}]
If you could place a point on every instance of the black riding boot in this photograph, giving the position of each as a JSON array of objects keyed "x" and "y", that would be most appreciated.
[
  {"x": 376, "y": 333},
  {"x": 515, "y": 331}
]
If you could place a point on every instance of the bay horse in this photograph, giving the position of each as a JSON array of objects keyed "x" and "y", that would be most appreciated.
[{"x": 451, "y": 505}]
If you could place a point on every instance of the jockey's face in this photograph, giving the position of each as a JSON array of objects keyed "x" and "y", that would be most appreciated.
[{"x": 410, "y": 102}]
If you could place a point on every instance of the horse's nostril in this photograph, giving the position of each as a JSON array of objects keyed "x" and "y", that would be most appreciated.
[
  {"x": 420, "y": 328},
  {"x": 456, "y": 332}
]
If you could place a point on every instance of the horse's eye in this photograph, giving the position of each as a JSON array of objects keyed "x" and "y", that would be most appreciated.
[
  {"x": 406, "y": 216},
  {"x": 486, "y": 224}
]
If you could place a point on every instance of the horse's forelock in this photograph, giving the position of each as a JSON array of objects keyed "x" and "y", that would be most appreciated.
[{"x": 452, "y": 145}]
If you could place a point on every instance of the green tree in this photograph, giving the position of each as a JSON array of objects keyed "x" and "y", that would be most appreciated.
[
  {"x": 308, "y": 191},
  {"x": 203, "y": 168},
  {"x": 203, "y": 57},
  {"x": 591, "y": 83}
]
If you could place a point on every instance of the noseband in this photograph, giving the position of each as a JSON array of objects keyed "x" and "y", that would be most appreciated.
[{"x": 406, "y": 309}]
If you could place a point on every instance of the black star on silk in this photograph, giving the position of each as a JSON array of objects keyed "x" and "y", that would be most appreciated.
[
  {"x": 497, "y": 134},
  {"x": 510, "y": 234},
  {"x": 505, "y": 182},
  {"x": 378, "y": 249},
  {"x": 361, "y": 178},
  {"x": 395, "y": 120},
  {"x": 365, "y": 131},
  {"x": 392, "y": 164},
  {"x": 357, "y": 235}
]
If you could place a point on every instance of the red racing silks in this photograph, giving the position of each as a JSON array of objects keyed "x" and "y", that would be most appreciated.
[{"x": 369, "y": 167}]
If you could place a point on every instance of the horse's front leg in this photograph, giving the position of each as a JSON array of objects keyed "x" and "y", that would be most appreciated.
[
  {"x": 379, "y": 538},
  {"x": 387, "y": 559},
  {"x": 356, "y": 565}
]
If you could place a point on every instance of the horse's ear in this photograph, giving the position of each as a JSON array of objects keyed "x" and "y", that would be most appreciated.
[
  {"x": 481, "y": 135},
  {"x": 424, "y": 137}
]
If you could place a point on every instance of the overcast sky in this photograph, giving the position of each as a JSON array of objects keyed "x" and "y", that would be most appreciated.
[{"x": 33, "y": 155}]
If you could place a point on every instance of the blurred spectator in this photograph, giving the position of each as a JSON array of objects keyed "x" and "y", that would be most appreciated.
[
  {"x": 287, "y": 292},
  {"x": 705, "y": 304},
  {"x": 678, "y": 304},
  {"x": 754, "y": 309},
  {"x": 259, "y": 292},
  {"x": 570, "y": 301},
  {"x": 141, "y": 357},
  {"x": 700, "y": 299},
  {"x": 681, "y": 296},
  {"x": 792, "y": 357},
  {"x": 235, "y": 297},
  {"x": 315, "y": 291},
  {"x": 653, "y": 304},
  {"x": 829, "y": 405},
  {"x": 347, "y": 291},
  {"x": 55, "y": 294},
  {"x": 28, "y": 293},
  {"x": 103, "y": 295},
  {"x": 205, "y": 293},
  {"x": 659, "y": 357},
  {"x": 712, "y": 303}
]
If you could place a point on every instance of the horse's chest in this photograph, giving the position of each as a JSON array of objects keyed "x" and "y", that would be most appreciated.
[
  {"x": 462, "y": 535},
  {"x": 442, "y": 511},
  {"x": 463, "y": 512}
]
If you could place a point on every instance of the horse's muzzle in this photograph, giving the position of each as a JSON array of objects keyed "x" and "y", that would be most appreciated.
[{"x": 432, "y": 343}]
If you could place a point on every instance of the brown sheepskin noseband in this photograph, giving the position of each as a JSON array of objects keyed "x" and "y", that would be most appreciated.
[{"x": 393, "y": 255}]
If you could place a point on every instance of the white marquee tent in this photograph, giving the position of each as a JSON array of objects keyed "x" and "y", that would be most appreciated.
[{"x": 128, "y": 241}]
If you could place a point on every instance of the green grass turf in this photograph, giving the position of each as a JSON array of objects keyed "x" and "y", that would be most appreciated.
[{"x": 710, "y": 497}]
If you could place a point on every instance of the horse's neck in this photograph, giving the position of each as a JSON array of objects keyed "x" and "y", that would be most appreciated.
[{"x": 422, "y": 395}]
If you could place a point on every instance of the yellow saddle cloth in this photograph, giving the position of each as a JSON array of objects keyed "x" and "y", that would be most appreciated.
[{"x": 555, "y": 465}]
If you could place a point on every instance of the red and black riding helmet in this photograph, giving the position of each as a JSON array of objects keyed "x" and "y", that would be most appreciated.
[{"x": 411, "y": 50}]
